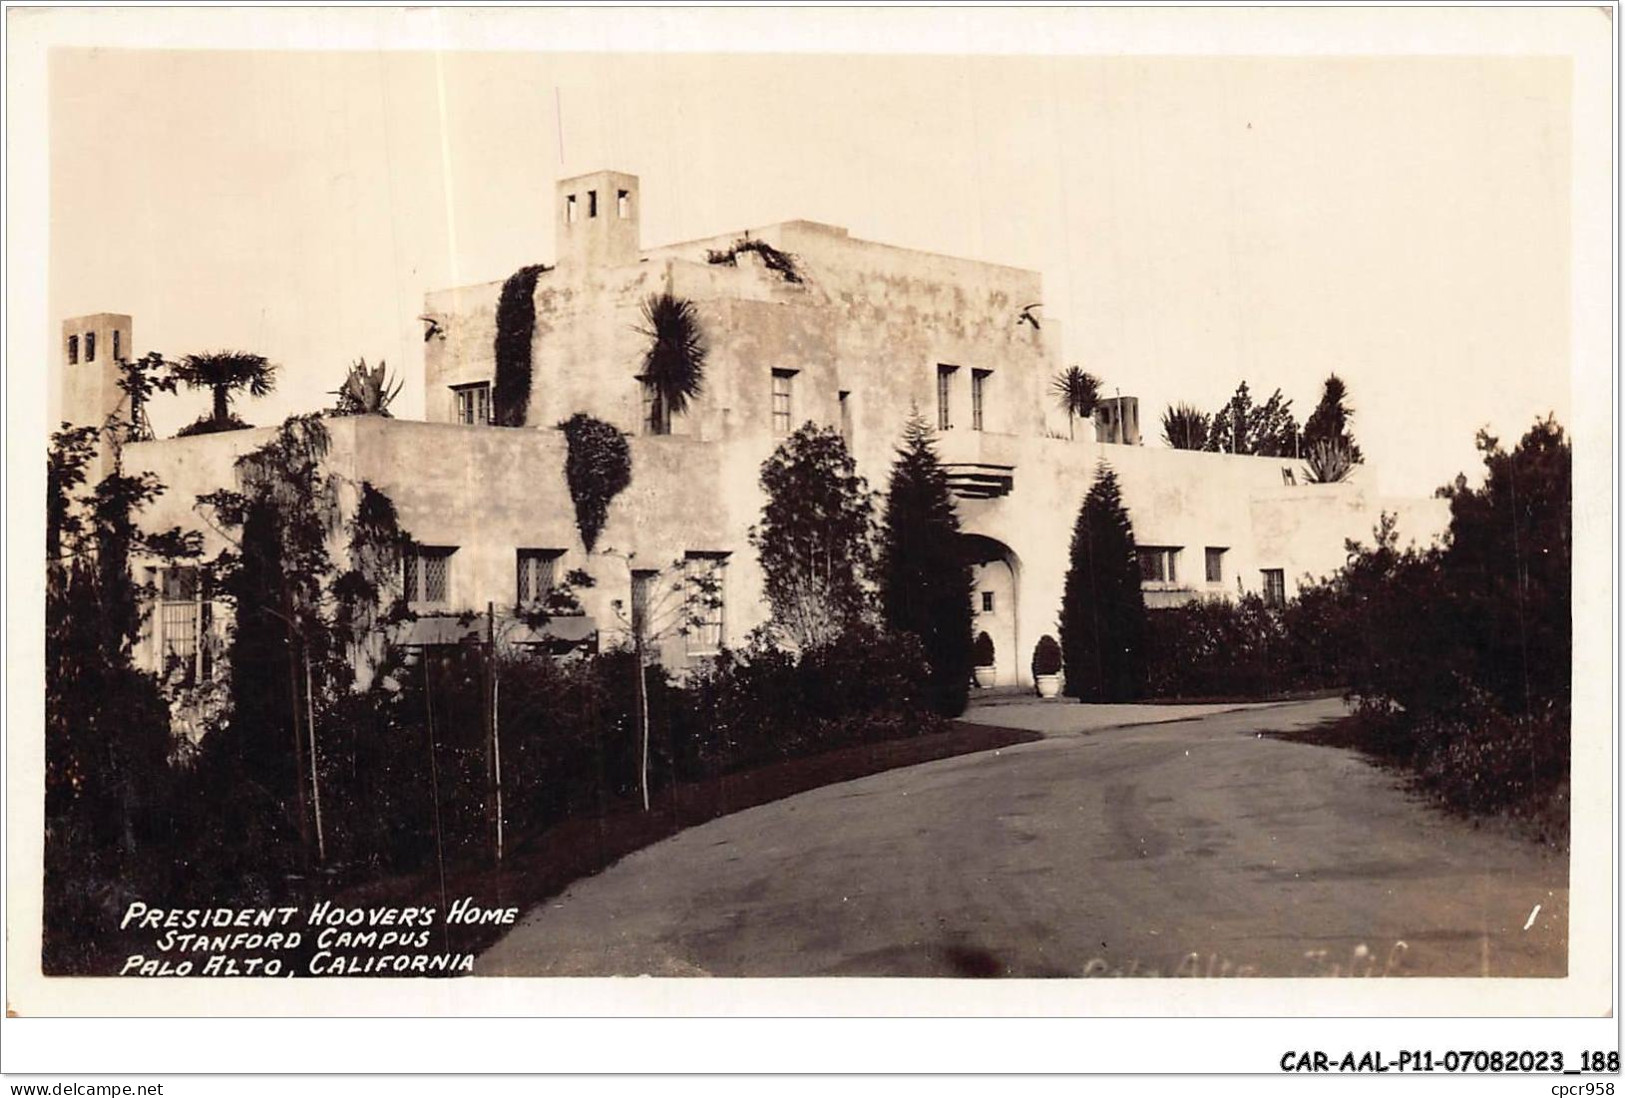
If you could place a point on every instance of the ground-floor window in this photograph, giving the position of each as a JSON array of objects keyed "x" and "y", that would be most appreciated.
[
  {"x": 537, "y": 575},
  {"x": 427, "y": 574},
  {"x": 184, "y": 619},
  {"x": 1159, "y": 564},
  {"x": 1274, "y": 587},
  {"x": 1215, "y": 565},
  {"x": 706, "y": 606}
]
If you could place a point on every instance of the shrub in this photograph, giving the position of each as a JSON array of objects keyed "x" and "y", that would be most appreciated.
[
  {"x": 982, "y": 652},
  {"x": 1046, "y": 656}
]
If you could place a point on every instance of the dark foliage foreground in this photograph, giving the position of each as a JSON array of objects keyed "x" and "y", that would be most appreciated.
[
  {"x": 407, "y": 797},
  {"x": 1459, "y": 656}
]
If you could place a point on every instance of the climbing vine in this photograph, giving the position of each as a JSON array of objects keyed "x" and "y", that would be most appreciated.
[
  {"x": 516, "y": 324},
  {"x": 598, "y": 468},
  {"x": 782, "y": 262}
]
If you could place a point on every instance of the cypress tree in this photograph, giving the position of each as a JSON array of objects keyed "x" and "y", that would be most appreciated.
[
  {"x": 925, "y": 580},
  {"x": 1102, "y": 610}
]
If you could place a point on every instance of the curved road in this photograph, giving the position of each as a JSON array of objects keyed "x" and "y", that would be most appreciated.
[{"x": 1191, "y": 848}]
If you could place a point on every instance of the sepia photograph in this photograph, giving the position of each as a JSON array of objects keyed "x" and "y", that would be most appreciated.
[{"x": 519, "y": 516}]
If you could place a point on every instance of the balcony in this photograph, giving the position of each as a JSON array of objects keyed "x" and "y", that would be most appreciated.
[{"x": 979, "y": 464}]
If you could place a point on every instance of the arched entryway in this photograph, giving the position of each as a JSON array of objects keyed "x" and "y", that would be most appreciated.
[{"x": 996, "y": 576}]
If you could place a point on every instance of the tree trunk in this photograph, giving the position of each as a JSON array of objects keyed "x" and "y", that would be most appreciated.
[{"x": 221, "y": 411}]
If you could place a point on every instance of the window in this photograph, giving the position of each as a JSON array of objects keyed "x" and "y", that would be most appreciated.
[
  {"x": 703, "y": 588},
  {"x": 978, "y": 385},
  {"x": 623, "y": 204},
  {"x": 427, "y": 572},
  {"x": 1159, "y": 564},
  {"x": 845, "y": 399},
  {"x": 987, "y": 602},
  {"x": 184, "y": 620},
  {"x": 592, "y": 203},
  {"x": 73, "y": 350},
  {"x": 1215, "y": 565},
  {"x": 570, "y": 209},
  {"x": 1274, "y": 587},
  {"x": 783, "y": 380},
  {"x": 538, "y": 575},
  {"x": 117, "y": 350},
  {"x": 473, "y": 403},
  {"x": 90, "y": 346},
  {"x": 656, "y": 416},
  {"x": 945, "y": 383},
  {"x": 1288, "y": 477}
]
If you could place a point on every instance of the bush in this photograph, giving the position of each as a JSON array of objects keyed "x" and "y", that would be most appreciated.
[
  {"x": 982, "y": 653},
  {"x": 1046, "y": 656}
]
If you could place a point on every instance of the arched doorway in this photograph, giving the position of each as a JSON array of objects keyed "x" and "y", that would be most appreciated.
[{"x": 996, "y": 578}]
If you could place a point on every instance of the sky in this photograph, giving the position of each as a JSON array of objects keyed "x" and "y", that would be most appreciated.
[{"x": 1401, "y": 221}]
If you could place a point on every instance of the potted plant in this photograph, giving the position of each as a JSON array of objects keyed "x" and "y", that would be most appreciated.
[
  {"x": 982, "y": 657},
  {"x": 1047, "y": 666}
]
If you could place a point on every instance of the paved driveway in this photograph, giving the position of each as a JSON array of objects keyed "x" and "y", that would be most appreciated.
[{"x": 1195, "y": 847}]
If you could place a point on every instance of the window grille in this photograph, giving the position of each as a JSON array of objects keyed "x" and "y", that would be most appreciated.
[
  {"x": 538, "y": 574},
  {"x": 427, "y": 570}
]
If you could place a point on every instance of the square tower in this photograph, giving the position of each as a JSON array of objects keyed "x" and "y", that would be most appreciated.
[
  {"x": 596, "y": 220},
  {"x": 92, "y": 347}
]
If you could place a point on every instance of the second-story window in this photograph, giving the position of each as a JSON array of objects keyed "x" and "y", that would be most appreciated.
[
  {"x": 845, "y": 399},
  {"x": 118, "y": 351},
  {"x": 623, "y": 204},
  {"x": 90, "y": 346},
  {"x": 473, "y": 403},
  {"x": 569, "y": 209},
  {"x": 978, "y": 394},
  {"x": 945, "y": 389},
  {"x": 656, "y": 416},
  {"x": 73, "y": 350},
  {"x": 592, "y": 203},
  {"x": 783, "y": 392}
]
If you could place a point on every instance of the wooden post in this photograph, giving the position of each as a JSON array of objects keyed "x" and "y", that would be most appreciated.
[{"x": 315, "y": 784}]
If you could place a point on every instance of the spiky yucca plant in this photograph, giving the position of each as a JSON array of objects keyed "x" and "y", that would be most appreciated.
[
  {"x": 1329, "y": 461},
  {"x": 674, "y": 364},
  {"x": 1184, "y": 427}
]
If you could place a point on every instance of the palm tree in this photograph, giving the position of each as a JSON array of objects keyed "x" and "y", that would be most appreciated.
[
  {"x": 1077, "y": 392},
  {"x": 226, "y": 373},
  {"x": 366, "y": 391},
  {"x": 674, "y": 364},
  {"x": 1184, "y": 427}
]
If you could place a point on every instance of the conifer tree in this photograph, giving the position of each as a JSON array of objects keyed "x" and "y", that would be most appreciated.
[
  {"x": 925, "y": 580},
  {"x": 1329, "y": 422},
  {"x": 1102, "y": 610}
]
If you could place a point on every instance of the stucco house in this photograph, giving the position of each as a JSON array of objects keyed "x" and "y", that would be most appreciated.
[{"x": 857, "y": 336}]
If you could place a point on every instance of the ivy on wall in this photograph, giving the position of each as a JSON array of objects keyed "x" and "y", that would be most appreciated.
[
  {"x": 782, "y": 262},
  {"x": 516, "y": 324},
  {"x": 598, "y": 468}
]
